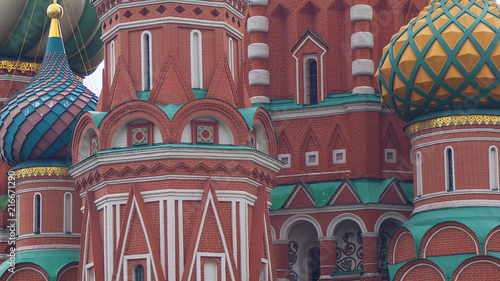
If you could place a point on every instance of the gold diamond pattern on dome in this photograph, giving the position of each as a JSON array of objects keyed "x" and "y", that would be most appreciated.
[
  {"x": 483, "y": 34},
  {"x": 485, "y": 77},
  {"x": 469, "y": 91},
  {"x": 399, "y": 43},
  {"x": 436, "y": 57},
  {"x": 407, "y": 62},
  {"x": 468, "y": 56},
  {"x": 423, "y": 80},
  {"x": 466, "y": 19},
  {"x": 399, "y": 87},
  {"x": 451, "y": 35},
  {"x": 422, "y": 37},
  {"x": 440, "y": 21},
  {"x": 453, "y": 77},
  {"x": 447, "y": 58}
]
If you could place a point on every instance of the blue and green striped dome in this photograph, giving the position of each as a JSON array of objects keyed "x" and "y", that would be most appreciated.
[
  {"x": 24, "y": 25},
  {"x": 446, "y": 59}
]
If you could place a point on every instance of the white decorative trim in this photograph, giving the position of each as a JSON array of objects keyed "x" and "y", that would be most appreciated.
[
  {"x": 34, "y": 213},
  {"x": 257, "y": 24},
  {"x": 390, "y": 215},
  {"x": 488, "y": 239},
  {"x": 25, "y": 268},
  {"x": 473, "y": 262},
  {"x": 161, "y": 215},
  {"x": 342, "y": 208},
  {"x": 137, "y": 257},
  {"x": 309, "y": 38},
  {"x": 39, "y": 189},
  {"x": 397, "y": 242},
  {"x": 230, "y": 56},
  {"x": 234, "y": 234},
  {"x": 180, "y": 229},
  {"x": 126, "y": 4},
  {"x": 450, "y": 227},
  {"x": 260, "y": 99},
  {"x": 258, "y": 77},
  {"x": 419, "y": 178},
  {"x": 330, "y": 231},
  {"x": 443, "y": 141},
  {"x": 286, "y": 163},
  {"x": 244, "y": 240},
  {"x": 314, "y": 174},
  {"x": 457, "y": 204},
  {"x": 362, "y": 39},
  {"x": 335, "y": 152},
  {"x": 456, "y": 192},
  {"x": 453, "y": 131},
  {"x": 210, "y": 255},
  {"x": 48, "y": 247},
  {"x": 395, "y": 171},
  {"x": 339, "y": 191},
  {"x": 273, "y": 233},
  {"x": 297, "y": 190},
  {"x": 361, "y": 12},
  {"x": 112, "y": 61},
  {"x": 171, "y": 244},
  {"x": 38, "y": 181},
  {"x": 369, "y": 234},
  {"x": 322, "y": 111},
  {"x": 85, "y": 248},
  {"x": 398, "y": 191},
  {"x": 164, "y": 153},
  {"x": 313, "y": 162},
  {"x": 258, "y": 51},
  {"x": 15, "y": 78},
  {"x": 449, "y": 186},
  {"x": 170, "y": 20},
  {"x": 327, "y": 238},
  {"x": 268, "y": 268},
  {"x": 493, "y": 167},
  {"x": 253, "y": 3},
  {"x": 117, "y": 224},
  {"x": 68, "y": 211},
  {"x": 363, "y": 67},
  {"x": 287, "y": 225},
  {"x": 363, "y": 90}
]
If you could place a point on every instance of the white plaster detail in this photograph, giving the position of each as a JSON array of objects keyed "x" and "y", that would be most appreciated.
[
  {"x": 312, "y": 158},
  {"x": 196, "y": 58},
  {"x": 287, "y": 225},
  {"x": 361, "y": 12},
  {"x": 297, "y": 190},
  {"x": 258, "y": 77},
  {"x": 457, "y": 204},
  {"x": 390, "y": 215},
  {"x": 362, "y": 39},
  {"x": 286, "y": 159},
  {"x": 338, "y": 156},
  {"x": 260, "y": 99},
  {"x": 363, "y": 67},
  {"x": 363, "y": 90},
  {"x": 346, "y": 216},
  {"x": 253, "y": 3},
  {"x": 258, "y": 51},
  {"x": 257, "y": 24}
]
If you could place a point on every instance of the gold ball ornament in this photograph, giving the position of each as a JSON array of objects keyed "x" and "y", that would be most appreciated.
[{"x": 54, "y": 11}]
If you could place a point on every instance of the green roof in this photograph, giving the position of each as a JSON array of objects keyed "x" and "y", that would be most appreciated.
[
  {"x": 481, "y": 220},
  {"x": 200, "y": 93},
  {"x": 368, "y": 190},
  {"x": 50, "y": 261},
  {"x": 331, "y": 99}
]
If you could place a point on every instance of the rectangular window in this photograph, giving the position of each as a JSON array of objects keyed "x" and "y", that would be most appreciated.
[
  {"x": 312, "y": 158},
  {"x": 390, "y": 155},
  {"x": 285, "y": 158},
  {"x": 339, "y": 156}
]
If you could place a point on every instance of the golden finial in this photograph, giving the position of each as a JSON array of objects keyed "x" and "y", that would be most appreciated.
[{"x": 54, "y": 12}]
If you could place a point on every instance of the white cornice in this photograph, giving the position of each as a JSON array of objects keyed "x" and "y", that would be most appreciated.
[
  {"x": 454, "y": 131},
  {"x": 38, "y": 189},
  {"x": 165, "y": 153},
  {"x": 310, "y": 112},
  {"x": 457, "y": 204},
  {"x": 170, "y": 20},
  {"x": 125, "y": 5},
  {"x": 455, "y": 193},
  {"x": 341, "y": 208},
  {"x": 444, "y": 141},
  {"x": 38, "y": 181}
]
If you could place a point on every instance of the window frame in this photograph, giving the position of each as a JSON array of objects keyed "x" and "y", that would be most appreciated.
[
  {"x": 37, "y": 213},
  {"x": 196, "y": 59},
  {"x": 449, "y": 186},
  {"x": 147, "y": 61}
]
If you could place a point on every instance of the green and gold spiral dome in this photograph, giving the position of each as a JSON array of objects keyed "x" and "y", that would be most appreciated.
[{"x": 445, "y": 61}]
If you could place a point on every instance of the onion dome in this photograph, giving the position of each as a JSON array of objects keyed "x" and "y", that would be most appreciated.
[
  {"x": 24, "y": 28},
  {"x": 37, "y": 123},
  {"x": 445, "y": 59}
]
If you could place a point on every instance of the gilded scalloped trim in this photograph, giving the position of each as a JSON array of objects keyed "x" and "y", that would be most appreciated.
[
  {"x": 457, "y": 120},
  {"x": 22, "y": 66},
  {"x": 41, "y": 171}
]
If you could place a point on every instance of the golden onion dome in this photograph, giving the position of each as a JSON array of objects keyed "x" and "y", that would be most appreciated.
[{"x": 446, "y": 59}]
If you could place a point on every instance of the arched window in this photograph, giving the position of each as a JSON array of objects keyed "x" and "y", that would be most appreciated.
[
  {"x": 196, "y": 60},
  {"x": 68, "y": 212},
  {"x": 231, "y": 56},
  {"x": 37, "y": 213},
  {"x": 419, "y": 173},
  {"x": 449, "y": 169},
  {"x": 112, "y": 60},
  {"x": 138, "y": 274},
  {"x": 146, "y": 61},
  {"x": 310, "y": 79},
  {"x": 210, "y": 271},
  {"x": 493, "y": 155}
]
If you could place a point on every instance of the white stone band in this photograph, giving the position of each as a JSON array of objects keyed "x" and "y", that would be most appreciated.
[
  {"x": 361, "y": 12},
  {"x": 258, "y": 24},
  {"x": 363, "y": 90},
  {"x": 252, "y": 3},
  {"x": 361, "y": 40},
  {"x": 258, "y": 51},
  {"x": 363, "y": 67},
  {"x": 260, "y": 99},
  {"x": 258, "y": 77}
]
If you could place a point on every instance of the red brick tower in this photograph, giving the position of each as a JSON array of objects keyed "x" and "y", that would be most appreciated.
[
  {"x": 175, "y": 169},
  {"x": 441, "y": 73}
]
